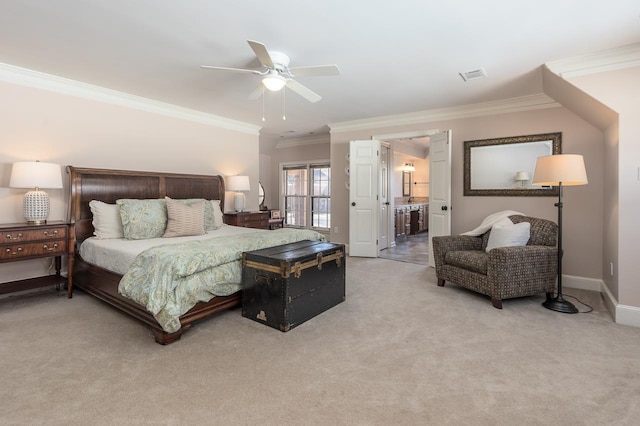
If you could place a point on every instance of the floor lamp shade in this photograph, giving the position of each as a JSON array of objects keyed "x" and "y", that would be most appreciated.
[
  {"x": 36, "y": 175},
  {"x": 238, "y": 184},
  {"x": 552, "y": 170},
  {"x": 560, "y": 170}
]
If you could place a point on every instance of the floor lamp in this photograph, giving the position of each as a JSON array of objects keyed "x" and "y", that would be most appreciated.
[{"x": 560, "y": 170}]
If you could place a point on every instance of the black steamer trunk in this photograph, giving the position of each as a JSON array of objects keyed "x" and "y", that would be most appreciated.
[{"x": 286, "y": 285}]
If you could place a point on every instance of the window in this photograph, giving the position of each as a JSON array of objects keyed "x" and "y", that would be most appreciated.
[{"x": 306, "y": 190}]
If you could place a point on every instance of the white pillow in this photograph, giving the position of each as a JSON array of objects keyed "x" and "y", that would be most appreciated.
[
  {"x": 107, "y": 223},
  {"x": 509, "y": 235},
  {"x": 218, "y": 216}
]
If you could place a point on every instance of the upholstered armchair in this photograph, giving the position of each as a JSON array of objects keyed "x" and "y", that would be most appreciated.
[{"x": 503, "y": 272}]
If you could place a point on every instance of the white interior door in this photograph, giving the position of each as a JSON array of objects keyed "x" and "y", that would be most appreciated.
[
  {"x": 385, "y": 211},
  {"x": 439, "y": 188},
  {"x": 364, "y": 157}
]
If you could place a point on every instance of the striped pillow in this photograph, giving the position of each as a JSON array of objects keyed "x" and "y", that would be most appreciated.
[{"x": 184, "y": 220}]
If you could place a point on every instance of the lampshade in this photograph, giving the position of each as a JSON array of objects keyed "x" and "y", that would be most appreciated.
[
  {"x": 522, "y": 176},
  {"x": 274, "y": 81},
  {"x": 568, "y": 169},
  {"x": 409, "y": 167},
  {"x": 34, "y": 174},
  {"x": 238, "y": 183}
]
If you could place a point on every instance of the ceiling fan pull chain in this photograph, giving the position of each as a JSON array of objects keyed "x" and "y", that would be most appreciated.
[
  {"x": 284, "y": 104},
  {"x": 263, "y": 119}
]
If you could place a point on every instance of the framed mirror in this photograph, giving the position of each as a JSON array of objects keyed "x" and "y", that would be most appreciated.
[
  {"x": 406, "y": 184},
  {"x": 261, "y": 197},
  {"x": 505, "y": 166}
]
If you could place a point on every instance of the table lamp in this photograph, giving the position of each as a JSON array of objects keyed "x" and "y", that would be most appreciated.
[
  {"x": 238, "y": 184},
  {"x": 34, "y": 174}
]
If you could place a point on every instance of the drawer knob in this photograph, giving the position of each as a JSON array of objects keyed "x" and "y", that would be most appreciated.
[
  {"x": 55, "y": 233},
  {"x": 17, "y": 237},
  {"x": 46, "y": 247}
]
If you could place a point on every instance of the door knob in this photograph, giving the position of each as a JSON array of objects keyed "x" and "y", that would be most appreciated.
[
  {"x": 445, "y": 208},
  {"x": 353, "y": 203}
]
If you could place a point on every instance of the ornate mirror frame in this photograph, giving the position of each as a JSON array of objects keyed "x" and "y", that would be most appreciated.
[
  {"x": 507, "y": 159},
  {"x": 260, "y": 196}
]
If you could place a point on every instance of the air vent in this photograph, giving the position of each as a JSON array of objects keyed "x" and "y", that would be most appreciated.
[{"x": 473, "y": 74}]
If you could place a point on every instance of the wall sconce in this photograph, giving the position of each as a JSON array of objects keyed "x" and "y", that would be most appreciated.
[
  {"x": 409, "y": 167},
  {"x": 522, "y": 177},
  {"x": 238, "y": 184},
  {"x": 34, "y": 174}
]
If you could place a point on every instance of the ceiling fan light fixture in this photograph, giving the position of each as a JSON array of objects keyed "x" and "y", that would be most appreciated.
[{"x": 274, "y": 82}]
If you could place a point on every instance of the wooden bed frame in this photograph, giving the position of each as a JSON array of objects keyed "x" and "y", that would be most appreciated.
[{"x": 108, "y": 186}]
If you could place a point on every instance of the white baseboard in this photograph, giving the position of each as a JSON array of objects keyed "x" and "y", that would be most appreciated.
[
  {"x": 582, "y": 283},
  {"x": 622, "y": 314},
  {"x": 628, "y": 315}
]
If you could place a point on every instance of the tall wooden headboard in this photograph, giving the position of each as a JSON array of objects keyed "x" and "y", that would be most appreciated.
[{"x": 110, "y": 185}]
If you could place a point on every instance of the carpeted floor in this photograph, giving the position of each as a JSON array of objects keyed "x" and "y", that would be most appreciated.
[{"x": 399, "y": 351}]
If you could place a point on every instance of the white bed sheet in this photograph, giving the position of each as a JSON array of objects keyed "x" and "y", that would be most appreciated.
[{"x": 117, "y": 255}]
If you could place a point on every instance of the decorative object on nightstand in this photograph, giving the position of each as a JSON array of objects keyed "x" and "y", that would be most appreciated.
[
  {"x": 522, "y": 177},
  {"x": 560, "y": 170},
  {"x": 261, "y": 205},
  {"x": 238, "y": 184},
  {"x": 276, "y": 221},
  {"x": 34, "y": 174}
]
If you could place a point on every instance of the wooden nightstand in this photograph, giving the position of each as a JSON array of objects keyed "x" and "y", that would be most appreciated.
[
  {"x": 21, "y": 241},
  {"x": 258, "y": 220}
]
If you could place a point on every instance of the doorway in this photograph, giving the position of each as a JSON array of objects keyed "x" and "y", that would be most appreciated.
[{"x": 408, "y": 197}]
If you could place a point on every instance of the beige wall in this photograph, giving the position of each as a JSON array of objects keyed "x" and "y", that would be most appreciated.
[
  {"x": 620, "y": 90},
  {"x": 582, "y": 212},
  {"x": 53, "y": 127}
]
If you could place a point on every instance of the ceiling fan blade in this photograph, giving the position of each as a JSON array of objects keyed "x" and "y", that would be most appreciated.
[
  {"x": 257, "y": 92},
  {"x": 262, "y": 53},
  {"x": 211, "y": 67},
  {"x": 303, "y": 91},
  {"x": 317, "y": 70}
]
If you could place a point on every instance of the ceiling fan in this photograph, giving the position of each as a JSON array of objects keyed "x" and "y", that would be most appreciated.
[{"x": 276, "y": 73}]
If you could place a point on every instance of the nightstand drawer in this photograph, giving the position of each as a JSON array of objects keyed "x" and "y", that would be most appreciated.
[
  {"x": 33, "y": 235},
  {"x": 16, "y": 251},
  {"x": 258, "y": 220},
  {"x": 254, "y": 223}
]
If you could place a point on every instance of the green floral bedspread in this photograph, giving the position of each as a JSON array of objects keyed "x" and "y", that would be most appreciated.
[{"x": 170, "y": 279}]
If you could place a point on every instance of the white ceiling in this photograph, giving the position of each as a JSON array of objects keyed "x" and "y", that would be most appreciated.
[{"x": 395, "y": 56}]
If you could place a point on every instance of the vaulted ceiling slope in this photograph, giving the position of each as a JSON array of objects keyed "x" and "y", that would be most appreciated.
[{"x": 394, "y": 57}]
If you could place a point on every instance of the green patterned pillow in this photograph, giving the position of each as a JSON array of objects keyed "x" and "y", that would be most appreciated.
[{"x": 142, "y": 219}]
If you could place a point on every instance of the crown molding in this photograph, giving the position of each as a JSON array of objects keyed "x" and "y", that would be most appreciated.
[
  {"x": 65, "y": 86},
  {"x": 592, "y": 63},
  {"x": 311, "y": 140},
  {"x": 504, "y": 106}
]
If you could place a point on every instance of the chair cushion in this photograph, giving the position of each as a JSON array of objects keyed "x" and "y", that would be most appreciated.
[
  {"x": 509, "y": 235},
  {"x": 472, "y": 260}
]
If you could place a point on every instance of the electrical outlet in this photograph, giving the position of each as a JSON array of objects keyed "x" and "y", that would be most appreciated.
[{"x": 335, "y": 229}]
